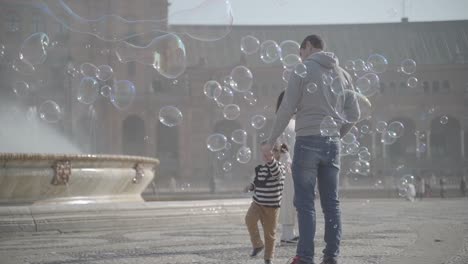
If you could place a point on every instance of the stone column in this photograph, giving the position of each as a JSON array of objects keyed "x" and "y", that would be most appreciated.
[
  {"x": 462, "y": 143},
  {"x": 428, "y": 144},
  {"x": 418, "y": 141}
]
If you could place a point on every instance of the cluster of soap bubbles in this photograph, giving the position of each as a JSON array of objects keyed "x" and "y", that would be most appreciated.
[{"x": 390, "y": 132}]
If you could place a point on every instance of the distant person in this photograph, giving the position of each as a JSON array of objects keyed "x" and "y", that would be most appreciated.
[
  {"x": 410, "y": 192},
  {"x": 428, "y": 189},
  {"x": 442, "y": 187},
  {"x": 463, "y": 186},
  {"x": 173, "y": 184},
  {"x": 268, "y": 188},
  {"x": 420, "y": 187},
  {"x": 288, "y": 213},
  {"x": 316, "y": 154}
]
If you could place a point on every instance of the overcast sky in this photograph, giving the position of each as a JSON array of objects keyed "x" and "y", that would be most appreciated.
[{"x": 288, "y": 12}]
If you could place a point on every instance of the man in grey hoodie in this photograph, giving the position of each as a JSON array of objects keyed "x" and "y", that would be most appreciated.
[{"x": 322, "y": 117}]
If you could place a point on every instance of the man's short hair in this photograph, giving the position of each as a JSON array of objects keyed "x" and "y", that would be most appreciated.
[{"x": 315, "y": 40}]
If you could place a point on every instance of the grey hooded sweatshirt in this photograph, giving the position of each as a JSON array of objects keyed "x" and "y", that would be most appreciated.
[{"x": 311, "y": 108}]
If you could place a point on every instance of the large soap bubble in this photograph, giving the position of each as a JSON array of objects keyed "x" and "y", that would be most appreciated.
[
  {"x": 408, "y": 66},
  {"x": 249, "y": 44},
  {"x": 122, "y": 94},
  {"x": 258, "y": 121},
  {"x": 231, "y": 111},
  {"x": 88, "y": 90},
  {"x": 104, "y": 72},
  {"x": 170, "y": 116},
  {"x": 269, "y": 51},
  {"x": 244, "y": 154},
  {"x": 212, "y": 89},
  {"x": 290, "y": 61},
  {"x": 242, "y": 79},
  {"x": 377, "y": 63},
  {"x": 165, "y": 53},
  {"x": 329, "y": 127},
  {"x": 34, "y": 48},
  {"x": 21, "y": 88},
  {"x": 289, "y": 47},
  {"x": 216, "y": 142},
  {"x": 88, "y": 69},
  {"x": 50, "y": 112},
  {"x": 116, "y": 28},
  {"x": 239, "y": 136}
]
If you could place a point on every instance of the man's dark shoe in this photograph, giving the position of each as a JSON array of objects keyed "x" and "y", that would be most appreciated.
[
  {"x": 255, "y": 251},
  {"x": 329, "y": 260},
  {"x": 267, "y": 261}
]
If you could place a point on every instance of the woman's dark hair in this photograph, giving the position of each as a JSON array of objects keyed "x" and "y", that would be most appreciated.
[{"x": 280, "y": 99}]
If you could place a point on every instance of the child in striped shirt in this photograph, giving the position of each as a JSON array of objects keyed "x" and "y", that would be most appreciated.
[{"x": 267, "y": 187}]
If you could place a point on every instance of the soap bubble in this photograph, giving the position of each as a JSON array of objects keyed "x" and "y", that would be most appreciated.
[
  {"x": 421, "y": 147},
  {"x": 328, "y": 127},
  {"x": 377, "y": 63},
  {"x": 170, "y": 116},
  {"x": 365, "y": 129},
  {"x": 104, "y": 72},
  {"x": 348, "y": 138},
  {"x": 363, "y": 84},
  {"x": 249, "y": 44},
  {"x": 87, "y": 91},
  {"x": 352, "y": 149},
  {"x": 50, "y": 112},
  {"x": 364, "y": 155},
  {"x": 258, "y": 121},
  {"x": 353, "y": 99},
  {"x": 239, "y": 136},
  {"x": 444, "y": 120},
  {"x": 327, "y": 79},
  {"x": 116, "y": 28},
  {"x": 381, "y": 126},
  {"x": 395, "y": 129},
  {"x": 269, "y": 51},
  {"x": 88, "y": 69},
  {"x": 23, "y": 67},
  {"x": 220, "y": 155},
  {"x": 368, "y": 84},
  {"x": 311, "y": 87},
  {"x": 105, "y": 90},
  {"x": 412, "y": 82},
  {"x": 286, "y": 75},
  {"x": 228, "y": 145},
  {"x": 387, "y": 138},
  {"x": 227, "y": 166},
  {"x": 122, "y": 94},
  {"x": 21, "y": 88},
  {"x": 349, "y": 65},
  {"x": 231, "y": 111},
  {"x": 216, "y": 142},
  {"x": 408, "y": 66},
  {"x": 301, "y": 70},
  {"x": 360, "y": 65},
  {"x": 288, "y": 47},
  {"x": 290, "y": 61},
  {"x": 212, "y": 89},
  {"x": 249, "y": 95},
  {"x": 165, "y": 53},
  {"x": 225, "y": 97},
  {"x": 242, "y": 79},
  {"x": 244, "y": 154},
  {"x": 34, "y": 48}
]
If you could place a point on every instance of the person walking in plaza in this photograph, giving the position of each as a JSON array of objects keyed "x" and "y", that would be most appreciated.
[
  {"x": 420, "y": 187},
  {"x": 287, "y": 217},
  {"x": 463, "y": 186},
  {"x": 268, "y": 188},
  {"x": 442, "y": 187},
  {"x": 316, "y": 154}
]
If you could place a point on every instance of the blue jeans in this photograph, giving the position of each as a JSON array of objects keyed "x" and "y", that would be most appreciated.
[{"x": 317, "y": 158}]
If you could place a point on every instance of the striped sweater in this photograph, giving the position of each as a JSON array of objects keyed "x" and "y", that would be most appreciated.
[{"x": 268, "y": 184}]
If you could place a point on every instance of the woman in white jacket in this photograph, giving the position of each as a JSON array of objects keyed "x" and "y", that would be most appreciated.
[{"x": 288, "y": 214}]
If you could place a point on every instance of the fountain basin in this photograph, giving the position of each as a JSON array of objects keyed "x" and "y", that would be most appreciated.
[{"x": 73, "y": 179}]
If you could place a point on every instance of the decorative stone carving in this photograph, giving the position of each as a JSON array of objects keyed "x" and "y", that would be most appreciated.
[
  {"x": 62, "y": 173},
  {"x": 139, "y": 173}
]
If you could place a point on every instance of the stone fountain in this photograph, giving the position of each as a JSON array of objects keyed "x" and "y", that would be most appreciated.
[{"x": 73, "y": 178}]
